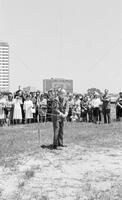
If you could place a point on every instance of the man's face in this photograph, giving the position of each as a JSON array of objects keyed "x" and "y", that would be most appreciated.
[
  {"x": 76, "y": 97},
  {"x": 20, "y": 93},
  {"x": 38, "y": 94},
  {"x": 62, "y": 94},
  {"x": 28, "y": 98},
  {"x": 50, "y": 94},
  {"x": 70, "y": 97}
]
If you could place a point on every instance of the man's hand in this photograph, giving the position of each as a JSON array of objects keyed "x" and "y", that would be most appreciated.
[
  {"x": 62, "y": 115},
  {"x": 65, "y": 115}
]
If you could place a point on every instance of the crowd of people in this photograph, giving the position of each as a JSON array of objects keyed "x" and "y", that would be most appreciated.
[{"x": 31, "y": 107}]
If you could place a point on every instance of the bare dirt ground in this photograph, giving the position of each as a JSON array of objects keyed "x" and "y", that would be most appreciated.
[{"x": 89, "y": 168}]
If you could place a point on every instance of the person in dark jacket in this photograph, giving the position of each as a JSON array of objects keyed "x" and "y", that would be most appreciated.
[
  {"x": 60, "y": 110},
  {"x": 119, "y": 107},
  {"x": 106, "y": 107}
]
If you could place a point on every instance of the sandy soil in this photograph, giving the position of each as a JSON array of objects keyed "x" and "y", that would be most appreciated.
[
  {"x": 75, "y": 172},
  {"x": 89, "y": 168}
]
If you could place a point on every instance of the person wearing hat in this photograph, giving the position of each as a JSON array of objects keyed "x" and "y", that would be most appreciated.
[{"x": 60, "y": 108}]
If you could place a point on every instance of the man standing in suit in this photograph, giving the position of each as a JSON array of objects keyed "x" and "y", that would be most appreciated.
[{"x": 60, "y": 108}]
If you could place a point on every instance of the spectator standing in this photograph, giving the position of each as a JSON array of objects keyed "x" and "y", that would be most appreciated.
[
  {"x": 17, "y": 113},
  {"x": 43, "y": 107},
  {"x": 71, "y": 104},
  {"x": 9, "y": 109},
  {"x": 90, "y": 109},
  {"x": 77, "y": 106},
  {"x": 96, "y": 103},
  {"x": 2, "y": 107},
  {"x": 34, "y": 100},
  {"x": 28, "y": 106},
  {"x": 49, "y": 105},
  {"x": 84, "y": 108},
  {"x": 106, "y": 107},
  {"x": 119, "y": 107}
]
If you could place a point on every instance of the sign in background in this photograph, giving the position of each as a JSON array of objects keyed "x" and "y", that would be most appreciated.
[{"x": 57, "y": 83}]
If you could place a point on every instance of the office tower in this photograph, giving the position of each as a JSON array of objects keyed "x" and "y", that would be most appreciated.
[{"x": 4, "y": 66}]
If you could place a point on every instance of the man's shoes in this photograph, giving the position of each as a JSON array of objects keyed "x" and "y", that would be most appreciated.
[
  {"x": 57, "y": 147},
  {"x": 54, "y": 147},
  {"x": 61, "y": 145}
]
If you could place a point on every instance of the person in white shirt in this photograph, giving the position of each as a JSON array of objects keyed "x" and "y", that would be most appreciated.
[
  {"x": 96, "y": 103},
  {"x": 17, "y": 112},
  {"x": 28, "y": 106}
]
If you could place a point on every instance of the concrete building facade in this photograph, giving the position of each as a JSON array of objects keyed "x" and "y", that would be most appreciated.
[
  {"x": 55, "y": 83},
  {"x": 4, "y": 66}
]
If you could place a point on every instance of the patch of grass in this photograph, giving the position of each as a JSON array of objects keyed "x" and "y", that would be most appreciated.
[{"x": 15, "y": 140}]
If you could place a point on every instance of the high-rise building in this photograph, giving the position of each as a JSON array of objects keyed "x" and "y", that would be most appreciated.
[{"x": 4, "y": 66}]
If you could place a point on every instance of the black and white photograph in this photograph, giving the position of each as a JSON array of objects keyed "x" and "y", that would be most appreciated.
[{"x": 60, "y": 100}]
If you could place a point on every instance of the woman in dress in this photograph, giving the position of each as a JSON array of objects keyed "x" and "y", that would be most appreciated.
[
  {"x": 17, "y": 113},
  {"x": 28, "y": 106}
]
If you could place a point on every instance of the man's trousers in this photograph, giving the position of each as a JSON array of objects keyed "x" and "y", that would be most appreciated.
[
  {"x": 58, "y": 128},
  {"x": 107, "y": 117}
]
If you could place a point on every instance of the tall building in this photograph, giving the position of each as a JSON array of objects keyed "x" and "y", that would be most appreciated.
[
  {"x": 4, "y": 66},
  {"x": 55, "y": 83}
]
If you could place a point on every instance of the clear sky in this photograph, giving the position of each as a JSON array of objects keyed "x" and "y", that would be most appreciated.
[{"x": 72, "y": 39}]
